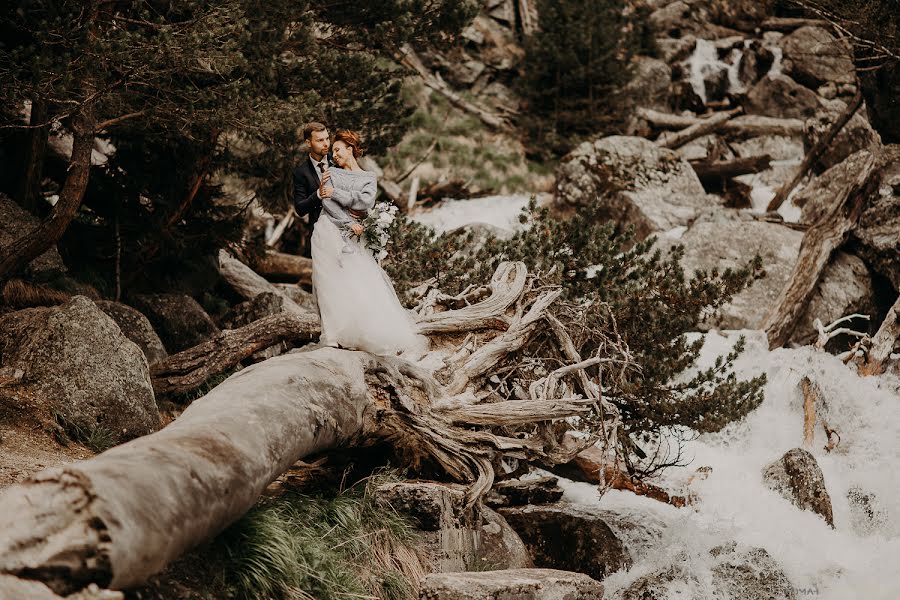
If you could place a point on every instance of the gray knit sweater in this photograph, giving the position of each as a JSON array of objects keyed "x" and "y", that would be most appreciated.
[{"x": 352, "y": 190}]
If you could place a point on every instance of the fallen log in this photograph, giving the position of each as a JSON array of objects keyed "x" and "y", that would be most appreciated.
[
  {"x": 189, "y": 369},
  {"x": 713, "y": 172},
  {"x": 787, "y": 24},
  {"x": 249, "y": 284},
  {"x": 882, "y": 343},
  {"x": 815, "y": 152},
  {"x": 281, "y": 265},
  {"x": 819, "y": 243},
  {"x": 741, "y": 126},
  {"x": 698, "y": 129},
  {"x": 121, "y": 516}
]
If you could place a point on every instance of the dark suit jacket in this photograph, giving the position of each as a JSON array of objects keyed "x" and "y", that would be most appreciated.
[
  {"x": 306, "y": 202},
  {"x": 306, "y": 184}
]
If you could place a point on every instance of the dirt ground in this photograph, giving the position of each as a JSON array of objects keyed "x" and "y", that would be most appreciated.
[{"x": 30, "y": 439}]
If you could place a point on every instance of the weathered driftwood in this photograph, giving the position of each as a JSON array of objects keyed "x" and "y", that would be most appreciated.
[
  {"x": 698, "y": 129},
  {"x": 282, "y": 265},
  {"x": 741, "y": 126},
  {"x": 410, "y": 59},
  {"x": 249, "y": 284},
  {"x": 815, "y": 152},
  {"x": 711, "y": 173},
  {"x": 883, "y": 343},
  {"x": 188, "y": 370},
  {"x": 506, "y": 287},
  {"x": 819, "y": 243}
]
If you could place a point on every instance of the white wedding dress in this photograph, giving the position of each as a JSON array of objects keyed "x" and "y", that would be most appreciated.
[{"x": 358, "y": 306}]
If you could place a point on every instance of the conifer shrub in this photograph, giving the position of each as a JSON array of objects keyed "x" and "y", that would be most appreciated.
[{"x": 615, "y": 288}]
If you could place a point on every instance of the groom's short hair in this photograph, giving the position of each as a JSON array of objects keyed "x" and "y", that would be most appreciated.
[{"x": 311, "y": 127}]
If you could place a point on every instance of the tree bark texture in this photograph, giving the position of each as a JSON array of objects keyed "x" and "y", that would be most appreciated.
[
  {"x": 819, "y": 243},
  {"x": 281, "y": 265},
  {"x": 16, "y": 256},
  {"x": 188, "y": 370},
  {"x": 29, "y": 189},
  {"x": 883, "y": 342}
]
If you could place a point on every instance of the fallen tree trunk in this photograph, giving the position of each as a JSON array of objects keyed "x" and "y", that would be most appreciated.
[
  {"x": 815, "y": 152},
  {"x": 188, "y": 370},
  {"x": 249, "y": 284},
  {"x": 698, "y": 129},
  {"x": 120, "y": 517},
  {"x": 283, "y": 265},
  {"x": 713, "y": 172},
  {"x": 787, "y": 24},
  {"x": 883, "y": 342},
  {"x": 741, "y": 126},
  {"x": 819, "y": 243}
]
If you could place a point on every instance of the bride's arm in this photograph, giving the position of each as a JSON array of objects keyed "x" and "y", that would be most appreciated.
[{"x": 362, "y": 199}]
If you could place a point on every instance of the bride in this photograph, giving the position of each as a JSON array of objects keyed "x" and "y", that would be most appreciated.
[{"x": 358, "y": 306}]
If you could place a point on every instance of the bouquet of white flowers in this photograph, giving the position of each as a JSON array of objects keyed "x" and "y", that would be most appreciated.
[{"x": 376, "y": 224}]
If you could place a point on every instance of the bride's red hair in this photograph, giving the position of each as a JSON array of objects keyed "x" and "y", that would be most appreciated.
[{"x": 351, "y": 138}]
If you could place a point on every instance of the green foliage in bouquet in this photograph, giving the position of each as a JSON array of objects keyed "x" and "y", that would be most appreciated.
[{"x": 613, "y": 288}]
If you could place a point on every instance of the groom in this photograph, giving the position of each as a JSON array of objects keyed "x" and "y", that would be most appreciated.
[{"x": 311, "y": 178}]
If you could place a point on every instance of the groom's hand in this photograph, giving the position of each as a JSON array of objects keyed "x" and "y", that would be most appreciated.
[{"x": 325, "y": 192}]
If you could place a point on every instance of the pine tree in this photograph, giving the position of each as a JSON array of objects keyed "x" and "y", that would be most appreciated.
[{"x": 573, "y": 66}]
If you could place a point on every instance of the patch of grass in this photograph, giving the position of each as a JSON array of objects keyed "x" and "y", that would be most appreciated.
[
  {"x": 96, "y": 439},
  {"x": 326, "y": 547}
]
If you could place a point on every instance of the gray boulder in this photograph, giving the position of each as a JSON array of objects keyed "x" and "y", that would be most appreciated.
[
  {"x": 137, "y": 328},
  {"x": 780, "y": 96},
  {"x": 449, "y": 531},
  {"x": 16, "y": 221},
  {"x": 756, "y": 62},
  {"x": 500, "y": 546},
  {"x": 856, "y": 135},
  {"x": 636, "y": 182},
  {"x": 674, "y": 50},
  {"x": 813, "y": 57},
  {"x": 798, "y": 478},
  {"x": 867, "y": 514},
  {"x": 724, "y": 241},
  {"x": 819, "y": 194},
  {"x": 731, "y": 572},
  {"x": 179, "y": 319},
  {"x": 876, "y": 237},
  {"x": 517, "y": 492},
  {"x": 846, "y": 288},
  {"x": 577, "y": 538},
  {"x": 649, "y": 85},
  {"x": 77, "y": 358},
  {"x": 521, "y": 584}
]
